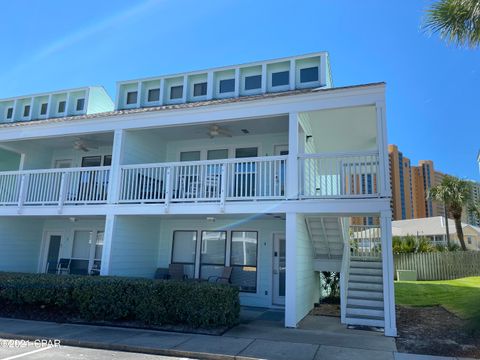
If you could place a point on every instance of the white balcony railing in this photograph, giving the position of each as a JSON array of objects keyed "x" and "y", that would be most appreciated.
[
  {"x": 365, "y": 241},
  {"x": 339, "y": 175},
  {"x": 54, "y": 186},
  {"x": 212, "y": 180}
]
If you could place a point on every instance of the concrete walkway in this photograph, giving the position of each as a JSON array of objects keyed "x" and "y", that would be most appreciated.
[{"x": 259, "y": 336}]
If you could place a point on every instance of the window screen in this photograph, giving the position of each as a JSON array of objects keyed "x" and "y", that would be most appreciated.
[
  {"x": 253, "y": 82},
  {"x": 176, "y": 92},
  {"x": 212, "y": 256},
  {"x": 200, "y": 89},
  {"x": 281, "y": 78},
  {"x": 309, "y": 74},
  {"x": 184, "y": 250},
  {"x": 243, "y": 259},
  {"x": 132, "y": 97},
  {"x": 153, "y": 95},
  {"x": 43, "y": 109},
  {"x": 227, "y": 85}
]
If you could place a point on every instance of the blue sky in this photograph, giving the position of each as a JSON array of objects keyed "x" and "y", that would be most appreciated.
[{"x": 433, "y": 90}]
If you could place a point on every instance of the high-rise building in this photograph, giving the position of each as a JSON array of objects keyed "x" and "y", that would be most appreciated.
[
  {"x": 400, "y": 184},
  {"x": 471, "y": 216}
]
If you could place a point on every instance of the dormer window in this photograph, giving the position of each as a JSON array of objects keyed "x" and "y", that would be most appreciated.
[
  {"x": 281, "y": 78},
  {"x": 309, "y": 74},
  {"x": 227, "y": 85},
  {"x": 153, "y": 95},
  {"x": 253, "y": 82},
  {"x": 26, "y": 111},
  {"x": 43, "y": 109},
  {"x": 132, "y": 97},
  {"x": 200, "y": 89},
  {"x": 61, "y": 106},
  {"x": 80, "y": 104},
  {"x": 9, "y": 112},
  {"x": 176, "y": 92}
]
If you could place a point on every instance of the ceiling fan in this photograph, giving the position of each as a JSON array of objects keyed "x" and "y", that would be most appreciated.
[
  {"x": 84, "y": 145},
  {"x": 216, "y": 130}
]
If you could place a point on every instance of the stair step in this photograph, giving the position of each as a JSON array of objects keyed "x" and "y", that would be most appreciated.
[
  {"x": 365, "y": 302},
  {"x": 363, "y": 321},
  {"x": 365, "y": 271},
  {"x": 365, "y": 286},
  {"x": 375, "y": 279},
  {"x": 367, "y": 312},
  {"x": 366, "y": 264},
  {"x": 365, "y": 294}
]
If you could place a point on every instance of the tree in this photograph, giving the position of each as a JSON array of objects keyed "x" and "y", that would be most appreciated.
[
  {"x": 455, "y": 194},
  {"x": 457, "y": 21}
]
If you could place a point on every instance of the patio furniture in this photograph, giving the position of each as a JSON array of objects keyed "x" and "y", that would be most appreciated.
[
  {"x": 176, "y": 272},
  {"x": 95, "y": 270},
  {"x": 161, "y": 273},
  {"x": 63, "y": 266},
  {"x": 225, "y": 278}
]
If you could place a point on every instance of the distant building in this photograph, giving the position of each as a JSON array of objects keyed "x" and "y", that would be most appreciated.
[{"x": 434, "y": 229}]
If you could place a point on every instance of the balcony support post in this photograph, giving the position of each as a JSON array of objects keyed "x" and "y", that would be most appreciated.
[
  {"x": 63, "y": 191},
  {"x": 223, "y": 187},
  {"x": 115, "y": 176},
  {"x": 293, "y": 147},
  {"x": 168, "y": 188},
  {"x": 382, "y": 146},
  {"x": 22, "y": 193}
]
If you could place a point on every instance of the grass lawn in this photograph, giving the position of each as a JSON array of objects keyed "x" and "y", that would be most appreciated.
[{"x": 460, "y": 296}]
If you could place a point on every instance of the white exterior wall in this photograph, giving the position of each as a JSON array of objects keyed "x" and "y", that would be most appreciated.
[
  {"x": 141, "y": 147},
  {"x": 134, "y": 247},
  {"x": 308, "y": 280},
  {"x": 20, "y": 243}
]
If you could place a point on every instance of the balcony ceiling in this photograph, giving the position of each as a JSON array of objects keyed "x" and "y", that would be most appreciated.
[{"x": 255, "y": 126}]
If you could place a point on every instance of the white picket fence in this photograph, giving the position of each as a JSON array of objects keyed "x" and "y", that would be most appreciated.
[{"x": 440, "y": 265}]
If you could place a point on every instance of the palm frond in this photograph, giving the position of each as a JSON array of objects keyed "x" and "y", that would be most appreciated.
[{"x": 456, "y": 21}]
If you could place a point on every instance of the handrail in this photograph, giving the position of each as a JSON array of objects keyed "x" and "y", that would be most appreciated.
[
  {"x": 203, "y": 162},
  {"x": 55, "y": 170},
  {"x": 338, "y": 154}
]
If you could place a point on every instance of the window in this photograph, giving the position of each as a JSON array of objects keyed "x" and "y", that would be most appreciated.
[
  {"x": 90, "y": 161},
  {"x": 217, "y": 154},
  {"x": 132, "y": 97},
  {"x": 9, "y": 113},
  {"x": 245, "y": 173},
  {"x": 176, "y": 92},
  {"x": 281, "y": 78},
  {"x": 469, "y": 240},
  {"x": 212, "y": 256},
  {"x": 99, "y": 245},
  {"x": 246, "y": 152},
  {"x": 243, "y": 259},
  {"x": 253, "y": 82},
  {"x": 107, "y": 160},
  {"x": 309, "y": 74},
  {"x": 200, "y": 89},
  {"x": 43, "y": 109},
  {"x": 227, "y": 85},
  {"x": 184, "y": 250},
  {"x": 26, "y": 111},
  {"x": 80, "y": 104},
  {"x": 61, "y": 106},
  {"x": 190, "y": 156},
  {"x": 153, "y": 95},
  {"x": 81, "y": 245}
]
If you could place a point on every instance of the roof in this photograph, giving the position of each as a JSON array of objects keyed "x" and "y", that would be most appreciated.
[
  {"x": 426, "y": 226},
  {"x": 190, "y": 105}
]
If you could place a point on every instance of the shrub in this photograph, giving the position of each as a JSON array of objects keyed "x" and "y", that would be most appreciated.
[
  {"x": 151, "y": 302},
  {"x": 411, "y": 244}
]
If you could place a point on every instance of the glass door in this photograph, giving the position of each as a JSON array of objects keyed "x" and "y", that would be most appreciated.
[
  {"x": 245, "y": 173},
  {"x": 54, "y": 242},
  {"x": 279, "y": 266},
  {"x": 280, "y": 176}
]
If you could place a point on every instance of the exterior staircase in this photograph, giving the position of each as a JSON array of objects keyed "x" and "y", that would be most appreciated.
[
  {"x": 365, "y": 293},
  {"x": 326, "y": 234}
]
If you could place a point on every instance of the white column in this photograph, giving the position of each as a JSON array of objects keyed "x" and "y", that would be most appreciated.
[
  {"x": 292, "y": 160},
  {"x": 108, "y": 236},
  {"x": 387, "y": 266},
  {"x": 115, "y": 173},
  {"x": 382, "y": 146},
  {"x": 291, "y": 270}
]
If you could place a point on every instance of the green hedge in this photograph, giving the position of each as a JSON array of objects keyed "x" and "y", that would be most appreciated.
[{"x": 151, "y": 302}]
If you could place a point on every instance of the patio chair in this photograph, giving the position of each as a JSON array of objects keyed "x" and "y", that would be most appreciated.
[
  {"x": 176, "y": 272},
  {"x": 225, "y": 278},
  {"x": 63, "y": 266},
  {"x": 161, "y": 273}
]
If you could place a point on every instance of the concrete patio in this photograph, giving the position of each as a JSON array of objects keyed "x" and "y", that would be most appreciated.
[{"x": 260, "y": 335}]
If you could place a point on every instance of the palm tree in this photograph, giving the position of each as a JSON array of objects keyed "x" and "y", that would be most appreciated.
[
  {"x": 457, "y": 21},
  {"x": 455, "y": 194}
]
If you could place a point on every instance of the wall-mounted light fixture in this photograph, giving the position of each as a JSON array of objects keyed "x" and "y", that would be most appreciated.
[{"x": 308, "y": 137}]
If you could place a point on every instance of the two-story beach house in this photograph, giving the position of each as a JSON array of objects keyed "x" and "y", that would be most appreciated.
[{"x": 265, "y": 168}]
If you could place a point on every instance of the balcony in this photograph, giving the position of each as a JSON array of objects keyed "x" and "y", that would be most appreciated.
[
  {"x": 261, "y": 178},
  {"x": 72, "y": 186}
]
